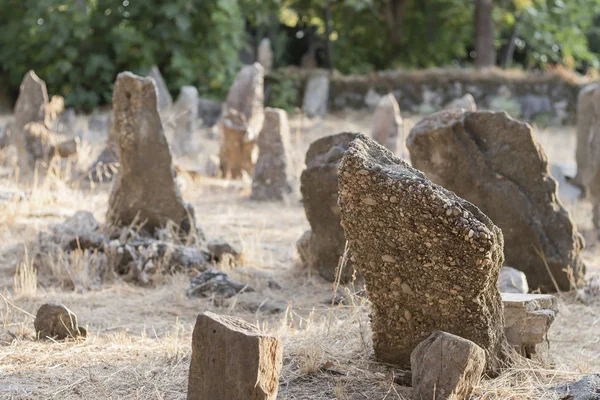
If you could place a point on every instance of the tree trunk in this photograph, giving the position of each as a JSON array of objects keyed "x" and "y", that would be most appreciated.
[
  {"x": 484, "y": 34},
  {"x": 393, "y": 14},
  {"x": 328, "y": 34},
  {"x": 510, "y": 50}
]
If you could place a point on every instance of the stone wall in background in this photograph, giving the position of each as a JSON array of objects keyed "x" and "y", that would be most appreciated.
[{"x": 546, "y": 98}]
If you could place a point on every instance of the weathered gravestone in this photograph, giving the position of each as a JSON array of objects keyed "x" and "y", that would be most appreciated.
[
  {"x": 231, "y": 359},
  {"x": 429, "y": 258},
  {"x": 265, "y": 54},
  {"x": 446, "y": 367},
  {"x": 493, "y": 161},
  {"x": 588, "y": 134},
  {"x": 319, "y": 187},
  {"x": 241, "y": 122},
  {"x": 185, "y": 113},
  {"x": 30, "y": 108},
  {"x": 387, "y": 122},
  {"x": 466, "y": 102},
  {"x": 273, "y": 173},
  {"x": 316, "y": 96},
  {"x": 165, "y": 101},
  {"x": 145, "y": 189},
  {"x": 57, "y": 322}
]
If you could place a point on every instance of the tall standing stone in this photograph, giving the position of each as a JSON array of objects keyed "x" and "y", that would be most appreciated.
[
  {"x": 165, "y": 101},
  {"x": 494, "y": 162},
  {"x": 274, "y": 173},
  {"x": 588, "y": 134},
  {"x": 145, "y": 187},
  {"x": 265, "y": 54},
  {"x": 231, "y": 359},
  {"x": 186, "y": 117},
  {"x": 30, "y": 108},
  {"x": 429, "y": 258},
  {"x": 319, "y": 187},
  {"x": 316, "y": 96},
  {"x": 387, "y": 122},
  {"x": 241, "y": 122}
]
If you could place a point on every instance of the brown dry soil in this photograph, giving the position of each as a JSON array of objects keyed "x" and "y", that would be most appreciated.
[{"x": 138, "y": 344}]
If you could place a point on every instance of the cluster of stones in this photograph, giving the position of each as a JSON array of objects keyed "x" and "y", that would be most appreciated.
[
  {"x": 493, "y": 161},
  {"x": 34, "y": 116},
  {"x": 241, "y": 122}
]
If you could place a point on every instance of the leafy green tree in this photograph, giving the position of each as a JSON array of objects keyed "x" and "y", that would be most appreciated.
[{"x": 79, "y": 46}]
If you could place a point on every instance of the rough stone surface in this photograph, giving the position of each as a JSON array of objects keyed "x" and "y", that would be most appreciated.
[
  {"x": 387, "y": 123},
  {"x": 430, "y": 259},
  {"x": 316, "y": 96},
  {"x": 145, "y": 188},
  {"x": 512, "y": 281},
  {"x": 29, "y": 108},
  {"x": 493, "y": 161},
  {"x": 265, "y": 54},
  {"x": 319, "y": 187},
  {"x": 446, "y": 367},
  {"x": 231, "y": 359},
  {"x": 273, "y": 173},
  {"x": 307, "y": 250},
  {"x": 164, "y": 101},
  {"x": 241, "y": 122},
  {"x": 56, "y": 322},
  {"x": 527, "y": 319},
  {"x": 587, "y": 388},
  {"x": 185, "y": 113},
  {"x": 466, "y": 102}
]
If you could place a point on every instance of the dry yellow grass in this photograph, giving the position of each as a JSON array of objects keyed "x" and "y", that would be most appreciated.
[{"x": 138, "y": 344}]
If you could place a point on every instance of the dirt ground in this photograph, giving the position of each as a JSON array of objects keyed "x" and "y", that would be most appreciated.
[{"x": 138, "y": 344}]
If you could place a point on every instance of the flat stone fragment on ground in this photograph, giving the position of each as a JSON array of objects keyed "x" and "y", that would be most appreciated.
[
  {"x": 145, "y": 189},
  {"x": 512, "y": 281},
  {"x": 466, "y": 102},
  {"x": 316, "y": 96},
  {"x": 319, "y": 187},
  {"x": 494, "y": 161},
  {"x": 527, "y": 319},
  {"x": 57, "y": 322},
  {"x": 387, "y": 122},
  {"x": 587, "y": 388},
  {"x": 446, "y": 367},
  {"x": 430, "y": 259},
  {"x": 231, "y": 359},
  {"x": 213, "y": 282},
  {"x": 273, "y": 172},
  {"x": 241, "y": 122}
]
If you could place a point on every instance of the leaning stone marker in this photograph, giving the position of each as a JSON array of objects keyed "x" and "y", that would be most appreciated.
[
  {"x": 29, "y": 108},
  {"x": 588, "y": 134},
  {"x": 446, "y": 367},
  {"x": 319, "y": 187},
  {"x": 241, "y": 122},
  {"x": 231, "y": 359},
  {"x": 387, "y": 122},
  {"x": 316, "y": 96},
  {"x": 165, "y": 101},
  {"x": 273, "y": 173},
  {"x": 493, "y": 161},
  {"x": 145, "y": 187},
  {"x": 429, "y": 258}
]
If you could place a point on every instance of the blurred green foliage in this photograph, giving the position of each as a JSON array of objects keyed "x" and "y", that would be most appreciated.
[{"x": 79, "y": 46}]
